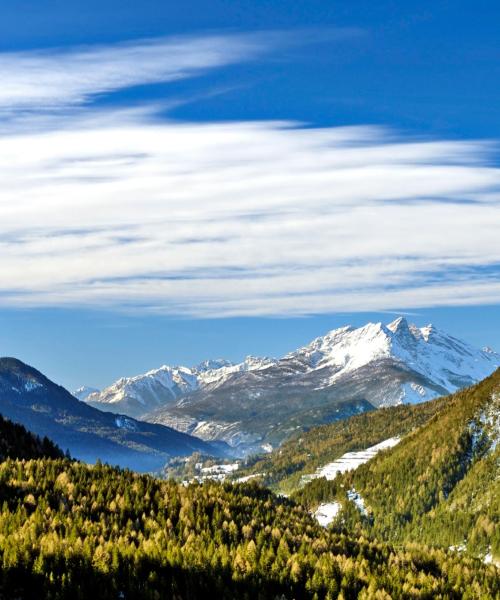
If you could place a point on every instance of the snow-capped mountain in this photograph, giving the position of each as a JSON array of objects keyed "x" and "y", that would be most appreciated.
[
  {"x": 264, "y": 400},
  {"x": 83, "y": 392},
  {"x": 448, "y": 363},
  {"x": 138, "y": 395}
]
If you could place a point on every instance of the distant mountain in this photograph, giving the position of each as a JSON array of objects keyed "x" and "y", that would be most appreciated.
[
  {"x": 47, "y": 409},
  {"x": 263, "y": 401},
  {"x": 83, "y": 392},
  {"x": 439, "y": 485},
  {"x": 135, "y": 396}
]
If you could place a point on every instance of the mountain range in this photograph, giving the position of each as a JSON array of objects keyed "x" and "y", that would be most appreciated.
[
  {"x": 47, "y": 409},
  {"x": 256, "y": 404}
]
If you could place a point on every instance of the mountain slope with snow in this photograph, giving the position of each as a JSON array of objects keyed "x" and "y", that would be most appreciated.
[
  {"x": 446, "y": 362},
  {"x": 83, "y": 392},
  {"x": 135, "y": 396},
  {"x": 439, "y": 485},
  {"x": 342, "y": 373}
]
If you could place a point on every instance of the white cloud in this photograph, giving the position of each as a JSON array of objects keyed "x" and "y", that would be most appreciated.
[
  {"x": 117, "y": 209},
  {"x": 245, "y": 218},
  {"x": 58, "y": 78}
]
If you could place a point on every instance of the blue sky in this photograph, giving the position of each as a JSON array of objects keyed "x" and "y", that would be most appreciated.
[{"x": 184, "y": 180}]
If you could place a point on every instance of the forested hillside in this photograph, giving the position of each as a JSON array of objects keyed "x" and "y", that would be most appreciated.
[
  {"x": 439, "y": 485},
  {"x": 68, "y": 530},
  {"x": 18, "y": 442},
  {"x": 283, "y": 468}
]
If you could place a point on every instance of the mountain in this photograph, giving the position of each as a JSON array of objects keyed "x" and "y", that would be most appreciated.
[
  {"x": 420, "y": 520},
  {"x": 135, "y": 396},
  {"x": 439, "y": 485},
  {"x": 259, "y": 403},
  {"x": 83, "y": 392},
  {"x": 439, "y": 361},
  {"x": 47, "y": 409}
]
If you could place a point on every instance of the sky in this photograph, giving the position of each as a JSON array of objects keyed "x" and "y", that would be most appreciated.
[{"x": 189, "y": 180}]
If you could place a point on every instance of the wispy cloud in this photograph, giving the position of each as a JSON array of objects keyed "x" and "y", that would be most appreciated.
[
  {"x": 116, "y": 208},
  {"x": 58, "y": 78}
]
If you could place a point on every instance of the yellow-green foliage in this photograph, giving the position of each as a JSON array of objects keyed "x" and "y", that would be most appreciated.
[
  {"x": 303, "y": 454},
  {"x": 439, "y": 485},
  {"x": 72, "y": 531}
]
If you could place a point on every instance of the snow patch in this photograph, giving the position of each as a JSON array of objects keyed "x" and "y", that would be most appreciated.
[
  {"x": 125, "y": 423},
  {"x": 490, "y": 420},
  {"x": 221, "y": 468},
  {"x": 31, "y": 385},
  {"x": 248, "y": 477},
  {"x": 413, "y": 393},
  {"x": 355, "y": 497},
  {"x": 326, "y": 512},
  {"x": 351, "y": 460}
]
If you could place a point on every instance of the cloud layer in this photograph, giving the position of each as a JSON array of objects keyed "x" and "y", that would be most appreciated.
[{"x": 118, "y": 209}]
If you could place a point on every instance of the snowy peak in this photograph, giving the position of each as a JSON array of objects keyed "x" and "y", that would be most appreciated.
[
  {"x": 83, "y": 392},
  {"x": 222, "y": 369},
  {"x": 399, "y": 325},
  {"x": 384, "y": 364},
  {"x": 448, "y": 363},
  {"x": 346, "y": 348},
  {"x": 405, "y": 333},
  {"x": 151, "y": 388},
  {"x": 143, "y": 393},
  {"x": 255, "y": 363},
  {"x": 212, "y": 365}
]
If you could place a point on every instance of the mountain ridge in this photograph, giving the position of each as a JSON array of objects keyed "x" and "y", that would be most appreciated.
[
  {"x": 47, "y": 409},
  {"x": 262, "y": 401}
]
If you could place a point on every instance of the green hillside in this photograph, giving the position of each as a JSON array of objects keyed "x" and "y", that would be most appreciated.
[
  {"x": 283, "y": 468},
  {"x": 440, "y": 485},
  {"x": 68, "y": 530},
  {"x": 74, "y": 531}
]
